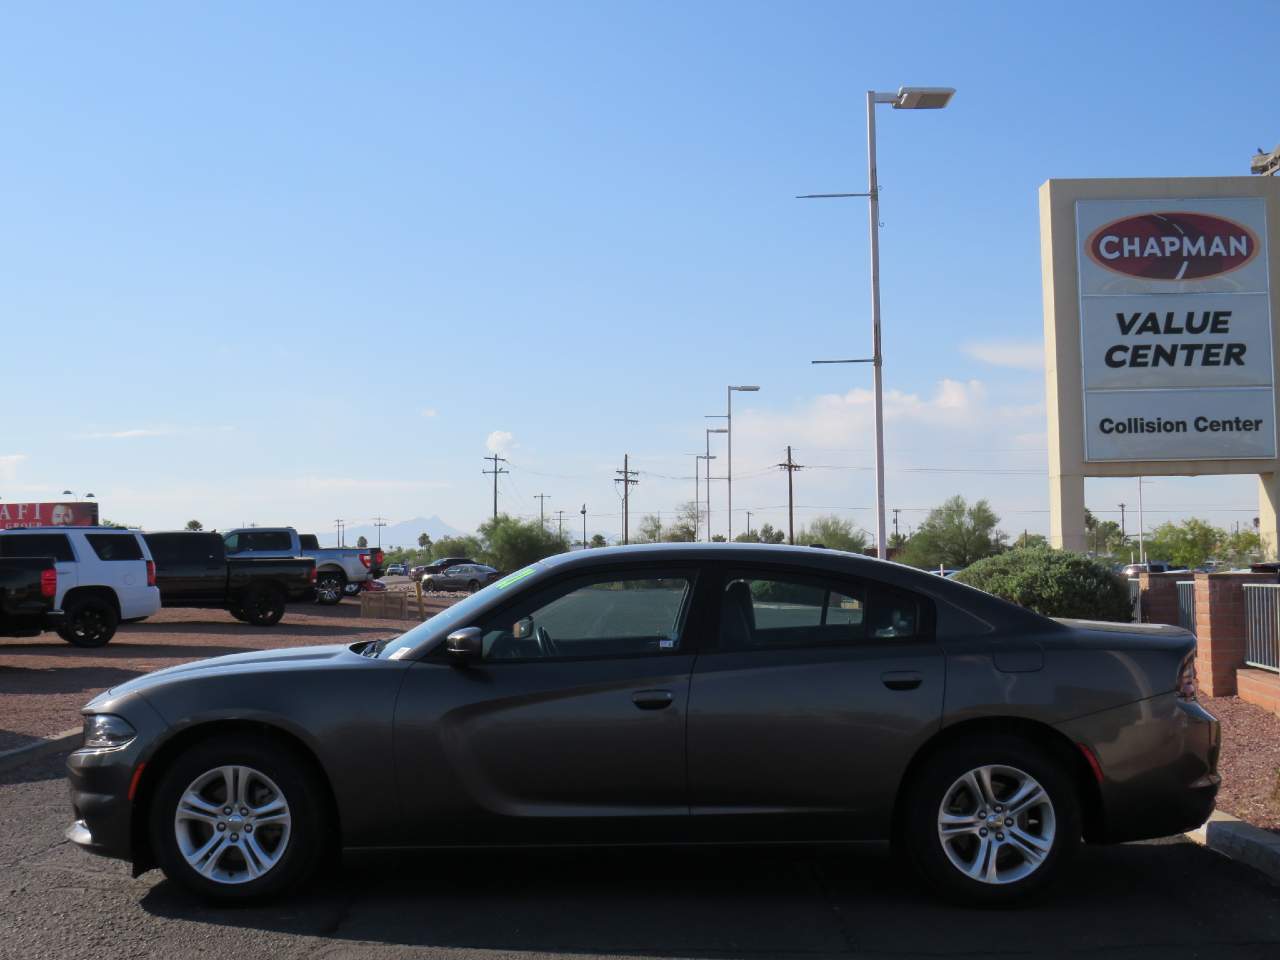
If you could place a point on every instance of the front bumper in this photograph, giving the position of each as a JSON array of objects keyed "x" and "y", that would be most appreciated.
[
  {"x": 98, "y": 782},
  {"x": 1159, "y": 760}
]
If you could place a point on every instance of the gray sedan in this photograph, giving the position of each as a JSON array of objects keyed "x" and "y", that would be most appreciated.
[
  {"x": 664, "y": 694},
  {"x": 463, "y": 576}
]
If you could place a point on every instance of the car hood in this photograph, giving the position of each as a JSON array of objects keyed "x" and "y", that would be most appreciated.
[{"x": 256, "y": 661}]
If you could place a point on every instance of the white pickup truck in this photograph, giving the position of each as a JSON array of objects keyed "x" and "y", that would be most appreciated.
[{"x": 339, "y": 570}]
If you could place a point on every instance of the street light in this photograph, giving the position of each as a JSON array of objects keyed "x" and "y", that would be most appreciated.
[
  {"x": 907, "y": 98},
  {"x": 710, "y": 431},
  {"x": 70, "y": 493},
  {"x": 729, "y": 462},
  {"x": 584, "y": 526}
]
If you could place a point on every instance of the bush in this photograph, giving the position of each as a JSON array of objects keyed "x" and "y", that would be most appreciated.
[{"x": 1054, "y": 583}]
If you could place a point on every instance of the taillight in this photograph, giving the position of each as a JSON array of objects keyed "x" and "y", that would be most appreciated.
[
  {"x": 1188, "y": 686},
  {"x": 364, "y": 558},
  {"x": 313, "y": 574},
  {"x": 48, "y": 583},
  {"x": 151, "y": 573}
]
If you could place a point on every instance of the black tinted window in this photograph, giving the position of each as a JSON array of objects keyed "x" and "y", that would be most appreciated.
[
  {"x": 54, "y": 545},
  {"x": 265, "y": 540},
  {"x": 115, "y": 546},
  {"x": 307, "y": 541},
  {"x": 168, "y": 549},
  {"x": 792, "y": 610}
]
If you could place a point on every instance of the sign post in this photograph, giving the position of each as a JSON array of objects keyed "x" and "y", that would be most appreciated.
[{"x": 1159, "y": 346}]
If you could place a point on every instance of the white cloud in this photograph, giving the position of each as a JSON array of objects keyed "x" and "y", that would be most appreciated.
[
  {"x": 126, "y": 434},
  {"x": 9, "y": 465},
  {"x": 1008, "y": 353},
  {"x": 429, "y": 412},
  {"x": 361, "y": 485},
  {"x": 499, "y": 442}
]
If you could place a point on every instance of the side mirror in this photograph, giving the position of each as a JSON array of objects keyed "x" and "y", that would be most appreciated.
[
  {"x": 464, "y": 645},
  {"x": 522, "y": 629}
]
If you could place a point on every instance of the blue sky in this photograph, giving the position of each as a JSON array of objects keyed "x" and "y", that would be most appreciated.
[{"x": 291, "y": 262}]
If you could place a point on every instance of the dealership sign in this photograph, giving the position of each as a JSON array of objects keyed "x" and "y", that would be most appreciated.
[
  {"x": 47, "y": 515},
  {"x": 1175, "y": 329}
]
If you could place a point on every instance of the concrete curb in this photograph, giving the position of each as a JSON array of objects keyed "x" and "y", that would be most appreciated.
[
  {"x": 41, "y": 748},
  {"x": 1232, "y": 837}
]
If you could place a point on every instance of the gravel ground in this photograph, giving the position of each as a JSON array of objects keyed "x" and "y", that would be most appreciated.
[
  {"x": 44, "y": 681},
  {"x": 1250, "y": 761}
]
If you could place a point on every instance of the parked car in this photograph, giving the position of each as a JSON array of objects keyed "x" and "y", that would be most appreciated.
[
  {"x": 193, "y": 570},
  {"x": 436, "y": 566},
  {"x": 105, "y": 577},
  {"x": 1151, "y": 566},
  {"x": 28, "y": 586},
  {"x": 666, "y": 693},
  {"x": 397, "y": 569},
  {"x": 337, "y": 568},
  {"x": 460, "y": 576}
]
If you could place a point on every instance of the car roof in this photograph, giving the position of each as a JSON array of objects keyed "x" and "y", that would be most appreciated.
[{"x": 69, "y": 528}]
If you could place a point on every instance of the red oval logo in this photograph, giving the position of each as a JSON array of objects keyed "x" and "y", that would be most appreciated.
[{"x": 1173, "y": 245}]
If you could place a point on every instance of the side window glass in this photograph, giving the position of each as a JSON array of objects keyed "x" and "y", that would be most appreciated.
[
  {"x": 892, "y": 613},
  {"x": 54, "y": 545},
  {"x": 232, "y": 541},
  {"x": 114, "y": 546},
  {"x": 786, "y": 611},
  {"x": 615, "y": 617}
]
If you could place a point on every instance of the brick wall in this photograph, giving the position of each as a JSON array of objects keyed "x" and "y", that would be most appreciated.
[
  {"x": 1160, "y": 596},
  {"x": 1220, "y": 629}
]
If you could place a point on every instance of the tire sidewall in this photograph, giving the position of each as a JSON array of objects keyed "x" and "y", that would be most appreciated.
[
  {"x": 341, "y": 583},
  {"x": 110, "y": 620},
  {"x": 936, "y": 778},
  {"x": 288, "y": 772},
  {"x": 268, "y": 599}
]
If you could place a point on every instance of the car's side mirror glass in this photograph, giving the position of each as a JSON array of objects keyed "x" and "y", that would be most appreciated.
[
  {"x": 464, "y": 645},
  {"x": 522, "y": 629}
]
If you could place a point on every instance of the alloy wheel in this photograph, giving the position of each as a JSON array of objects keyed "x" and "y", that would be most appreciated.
[
  {"x": 996, "y": 824},
  {"x": 232, "y": 824}
]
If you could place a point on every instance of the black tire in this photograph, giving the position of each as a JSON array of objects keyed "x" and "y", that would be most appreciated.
[
  {"x": 350, "y": 589},
  {"x": 270, "y": 761},
  {"x": 329, "y": 587},
  {"x": 89, "y": 622},
  {"x": 237, "y": 611},
  {"x": 473, "y": 586},
  {"x": 937, "y": 782},
  {"x": 264, "y": 606},
  {"x": 428, "y": 586}
]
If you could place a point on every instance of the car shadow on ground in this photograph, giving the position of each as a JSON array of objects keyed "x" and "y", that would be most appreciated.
[
  {"x": 28, "y": 682},
  {"x": 282, "y": 629},
  {"x": 776, "y": 902}
]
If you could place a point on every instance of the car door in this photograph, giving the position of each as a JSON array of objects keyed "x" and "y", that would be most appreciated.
[
  {"x": 570, "y": 726},
  {"x": 818, "y": 691},
  {"x": 56, "y": 546}
]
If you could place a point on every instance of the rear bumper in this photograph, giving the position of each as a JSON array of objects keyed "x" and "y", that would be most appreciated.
[
  {"x": 23, "y": 624},
  {"x": 1159, "y": 761}
]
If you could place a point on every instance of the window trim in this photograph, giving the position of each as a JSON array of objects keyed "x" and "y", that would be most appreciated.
[
  {"x": 691, "y": 573},
  {"x": 926, "y": 632}
]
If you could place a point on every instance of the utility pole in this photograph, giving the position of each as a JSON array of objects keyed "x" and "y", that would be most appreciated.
[
  {"x": 748, "y": 523},
  {"x": 625, "y": 475},
  {"x": 710, "y": 431},
  {"x": 542, "y": 499},
  {"x": 560, "y": 521},
  {"x": 697, "y": 495},
  {"x": 379, "y": 522},
  {"x": 1122, "y": 536},
  {"x": 338, "y": 524},
  {"x": 495, "y": 471},
  {"x": 896, "y": 511},
  {"x": 791, "y": 467},
  {"x": 584, "y": 526},
  {"x": 1142, "y": 525}
]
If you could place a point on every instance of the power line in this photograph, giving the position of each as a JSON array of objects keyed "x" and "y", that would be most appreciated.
[
  {"x": 791, "y": 468},
  {"x": 496, "y": 471},
  {"x": 542, "y": 499},
  {"x": 625, "y": 478}
]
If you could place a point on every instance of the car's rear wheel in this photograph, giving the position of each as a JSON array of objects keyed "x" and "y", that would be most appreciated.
[
  {"x": 237, "y": 611},
  {"x": 473, "y": 586},
  {"x": 89, "y": 622},
  {"x": 264, "y": 606},
  {"x": 329, "y": 586},
  {"x": 991, "y": 821},
  {"x": 237, "y": 818},
  {"x": 429, "y": 585}
]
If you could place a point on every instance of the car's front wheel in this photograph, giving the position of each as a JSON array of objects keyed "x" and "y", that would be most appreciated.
[
  {"x": 237, "y": 818},
  {"x": 329, "y": 587},
  {"x": 89, "y": 622},
  {"x": 990, "y": 821},
  {"x": 264, "y": 606}
]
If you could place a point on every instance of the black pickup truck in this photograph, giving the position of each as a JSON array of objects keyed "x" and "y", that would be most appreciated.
[
  {"x": 28, "y": 586},
  {"x": 193, "y": 570}
]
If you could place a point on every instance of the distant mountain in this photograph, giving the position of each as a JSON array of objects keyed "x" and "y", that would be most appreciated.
[{"x": 404, "y": 533}]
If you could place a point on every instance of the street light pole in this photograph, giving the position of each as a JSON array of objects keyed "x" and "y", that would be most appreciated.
[
  {"x": 709, "y": 458},
  {"x": 729, "y": 429}
]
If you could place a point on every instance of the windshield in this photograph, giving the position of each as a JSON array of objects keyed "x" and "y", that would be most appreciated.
[{"x": 455, "y": 617}]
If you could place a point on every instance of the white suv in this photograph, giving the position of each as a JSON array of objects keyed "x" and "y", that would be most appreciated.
[{"x": 105, "y": 576}]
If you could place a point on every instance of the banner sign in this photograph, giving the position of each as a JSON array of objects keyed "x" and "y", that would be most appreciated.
[
  {"x": 47, "y": 515},
  {"x": 1175, "y": 329}
]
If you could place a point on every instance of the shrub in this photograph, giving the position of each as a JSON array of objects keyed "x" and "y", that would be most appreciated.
[{"x": 1053, "y": 582}]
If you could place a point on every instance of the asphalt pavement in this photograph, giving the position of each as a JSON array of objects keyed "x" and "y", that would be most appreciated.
[{"x": 1166, "y": 899}]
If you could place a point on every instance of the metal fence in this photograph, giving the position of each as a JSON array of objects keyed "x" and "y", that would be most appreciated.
[
  {"x": 1262, "y": 625},
  {"x": 1187, "y": 604},
  {"x": 1135, "y": 598}
]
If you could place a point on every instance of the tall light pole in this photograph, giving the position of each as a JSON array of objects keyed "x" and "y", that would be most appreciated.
[
  {"x": 907, "y": 98},
  {"x": 584, "y": 526},
  {"x": 729, "y": 460},
  {"x": 696, "y": 505},
  {"x": 710, "y": 431}
]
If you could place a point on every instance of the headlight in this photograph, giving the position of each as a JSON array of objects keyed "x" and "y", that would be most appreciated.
[{"x": 103, "y": 731}]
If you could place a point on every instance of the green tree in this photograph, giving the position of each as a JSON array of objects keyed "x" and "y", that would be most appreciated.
[
  {"x": 718, "y": 538},
  {"x": 835, "y": 534},
  {"x": 510, "y": 543},
  {"x": 770, "y": 535},
  {"x": 1055, "y": 583},
  {"x": 1030, "y": 540},
  {"x": 424, "y": 541},
  {"x": 362, "y": 542},
  {"x": 194, "y": 525},
  {"x": 464, "y": 546},
  {"x": 954, "y": 535},
  {"x": 1188, "y": 543},
  {"x": 650, "y": 529},
  {"x": 685, "y": 525},
  {"x": 598, "y": 541},
  {"x": 751, "y": 536},
  {"x": 1241, "y": 548}
]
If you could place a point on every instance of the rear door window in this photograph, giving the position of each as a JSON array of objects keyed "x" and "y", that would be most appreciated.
[
  {"x": 115, "y": 546},
  {"x": 55, "y": 545}
]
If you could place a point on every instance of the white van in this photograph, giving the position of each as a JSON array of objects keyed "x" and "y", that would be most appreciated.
[{"x": 105, "y": 577}]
